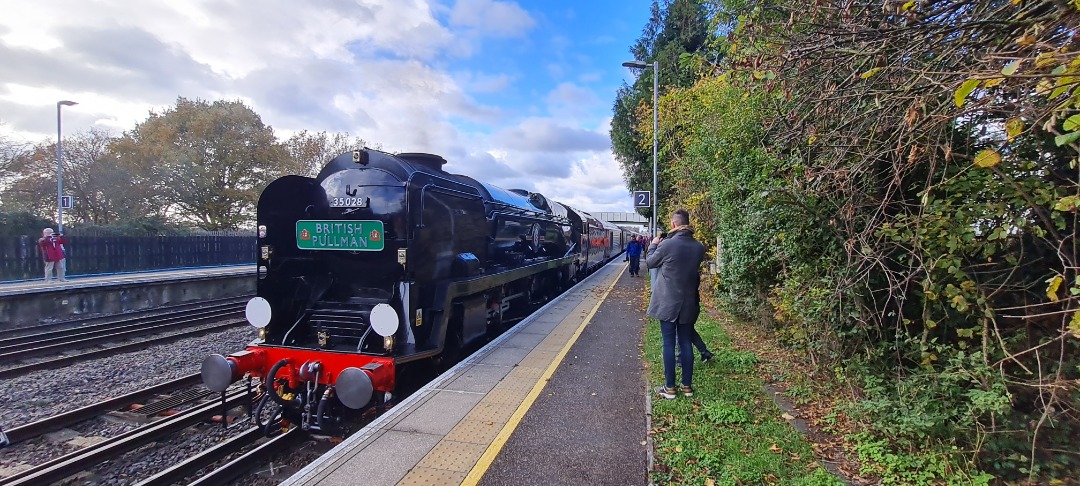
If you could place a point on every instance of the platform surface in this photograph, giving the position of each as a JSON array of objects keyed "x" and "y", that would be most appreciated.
[
  {"x": 558, "y": 399},
  {"x": 79, "y": 281}
]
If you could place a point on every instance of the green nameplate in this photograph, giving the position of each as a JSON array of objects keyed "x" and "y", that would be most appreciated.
[{"x": 339, "y": 235}]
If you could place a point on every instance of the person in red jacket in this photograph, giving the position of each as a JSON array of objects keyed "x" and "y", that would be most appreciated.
[{"x": 52, "y": 252}]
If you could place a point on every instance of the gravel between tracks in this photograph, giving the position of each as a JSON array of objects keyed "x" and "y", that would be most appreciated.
[{"x": 44, "y": 393}]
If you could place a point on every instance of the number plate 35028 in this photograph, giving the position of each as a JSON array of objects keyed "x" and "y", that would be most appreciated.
[{"x": 348, "y": 202}]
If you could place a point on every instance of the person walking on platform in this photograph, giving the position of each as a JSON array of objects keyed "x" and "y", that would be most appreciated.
[
  {"x": 52, "y": 252},
  {"x": 633, "y": 255},
  {"x": 675, "y": 301}
]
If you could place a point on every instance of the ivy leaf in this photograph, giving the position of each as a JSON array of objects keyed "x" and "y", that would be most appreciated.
[
  {"x": 1014, "y": 127},
  {"x": 1067, "y": 203},
  {"x": 964, "y": 90},
  {"x": 870, "y": 73},
  {"x": 1057, "y": 91},
  {"x": 1011, "y": 67},
  {"x": 1074, "y": 324},
  {"x": 1066, "y": 138},
  {"x": 1052, "y": 288},
  {"x": 987, "y": 158},
  {"x": 1072, "y": 123}
]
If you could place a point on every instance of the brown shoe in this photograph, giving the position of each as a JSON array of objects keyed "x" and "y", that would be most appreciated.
[{"x": 687, "y": 391}]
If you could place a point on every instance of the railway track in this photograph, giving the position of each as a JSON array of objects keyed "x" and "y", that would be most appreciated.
[
  {"x": 112, "y": 350},
  {"x": 44, "y": 426},
  {"x": 13, "y": 335},
  {"x": 86, "y": 458},
  {"x": 58, "y": 340},
  {"x": 233, "y": 469}
]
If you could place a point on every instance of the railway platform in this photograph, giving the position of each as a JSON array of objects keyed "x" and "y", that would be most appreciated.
[
  {"x": 27, "y": 302},
  {"x": 560, "y": 399}
]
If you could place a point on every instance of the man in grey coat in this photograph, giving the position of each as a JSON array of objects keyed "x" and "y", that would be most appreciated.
[{"x": 675, "y": 302}]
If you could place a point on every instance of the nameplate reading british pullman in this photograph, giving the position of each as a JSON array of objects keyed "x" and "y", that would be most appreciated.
[{"x": 339, "y": 235}]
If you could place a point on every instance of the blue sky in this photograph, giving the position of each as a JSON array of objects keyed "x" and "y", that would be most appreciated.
[{"x": 514, "y": 93}]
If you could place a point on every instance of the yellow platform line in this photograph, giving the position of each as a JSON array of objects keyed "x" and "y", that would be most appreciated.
[{"x": 496, "y": 446}]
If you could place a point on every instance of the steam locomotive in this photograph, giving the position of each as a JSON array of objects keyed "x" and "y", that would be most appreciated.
[{"x": 385, "y": 264}]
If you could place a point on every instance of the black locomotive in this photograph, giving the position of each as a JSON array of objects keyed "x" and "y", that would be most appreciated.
[{"x": 383, "y": 261}]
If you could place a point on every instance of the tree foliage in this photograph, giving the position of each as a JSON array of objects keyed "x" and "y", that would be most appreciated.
[
  {"x": 678, "y": 32},
  {"x": 11, "y": 150},
  {"x": 308, "y": 151},
  {"x": 203, "y": 162},
  {"x": 197, "y": 163},
  {"x": 909, "y": 177}
]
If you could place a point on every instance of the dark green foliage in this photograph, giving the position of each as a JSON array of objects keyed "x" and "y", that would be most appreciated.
[
  {"x": 678, "y": 36},
  {"x": 22, "y": 223}
]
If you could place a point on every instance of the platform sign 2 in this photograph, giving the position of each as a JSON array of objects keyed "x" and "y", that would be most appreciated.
[
  {"x": 344, "y": 235},
  {"x": 642, "y": 199}
]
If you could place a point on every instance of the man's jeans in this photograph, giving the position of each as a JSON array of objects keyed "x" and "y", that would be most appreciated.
[
  {"x": 682, "y": 333},
  {"x": 635, "y": 264}
]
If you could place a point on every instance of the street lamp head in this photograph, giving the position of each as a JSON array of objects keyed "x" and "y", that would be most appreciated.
[
  {"x": 66, "y": 103},
  {"x": 635, "y": 64}
]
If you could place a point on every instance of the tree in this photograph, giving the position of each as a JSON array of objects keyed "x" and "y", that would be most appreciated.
[
  {"x": 11, "y": 150},
  {"x": 309, "y": 152},
  {"x": 205, "y": 162},
  {"x": 104, "y": 191},
  {"x": 678, "y": 32}
]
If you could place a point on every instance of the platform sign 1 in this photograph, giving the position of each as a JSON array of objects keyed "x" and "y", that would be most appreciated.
[
  {"x": 344, "y": 235},
  {"x": 642, "y": 199},
  {"x": 67, "y": 202}
]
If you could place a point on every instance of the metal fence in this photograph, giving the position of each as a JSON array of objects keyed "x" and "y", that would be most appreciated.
[{"x": 92, "y": 253}]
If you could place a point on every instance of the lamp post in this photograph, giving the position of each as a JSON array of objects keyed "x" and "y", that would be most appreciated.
[
  {"x": 60, "y": 169},
  {"x": 655, "y": 122}
]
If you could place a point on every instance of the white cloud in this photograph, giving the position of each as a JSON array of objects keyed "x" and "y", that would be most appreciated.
[
  {"x": 548, "y": 135},
  {"x": 373, "y": 68},
  {"x": 492, "y": 18}
]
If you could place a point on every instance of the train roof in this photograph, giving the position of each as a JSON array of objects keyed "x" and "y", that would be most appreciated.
[{"x": 510, "y": 198}]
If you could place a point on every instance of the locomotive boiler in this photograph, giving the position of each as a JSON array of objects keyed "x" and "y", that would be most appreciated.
[{"x": 386, "y": 261}]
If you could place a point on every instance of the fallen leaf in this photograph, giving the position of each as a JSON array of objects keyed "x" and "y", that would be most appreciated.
[
  {"x": 775, "y": 449},
  {"x": 788, "y": 416},
  {"x": 644, "y": 442}
]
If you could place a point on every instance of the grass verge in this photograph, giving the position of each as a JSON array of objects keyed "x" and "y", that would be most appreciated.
[{"x": 730, "y": 432}]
